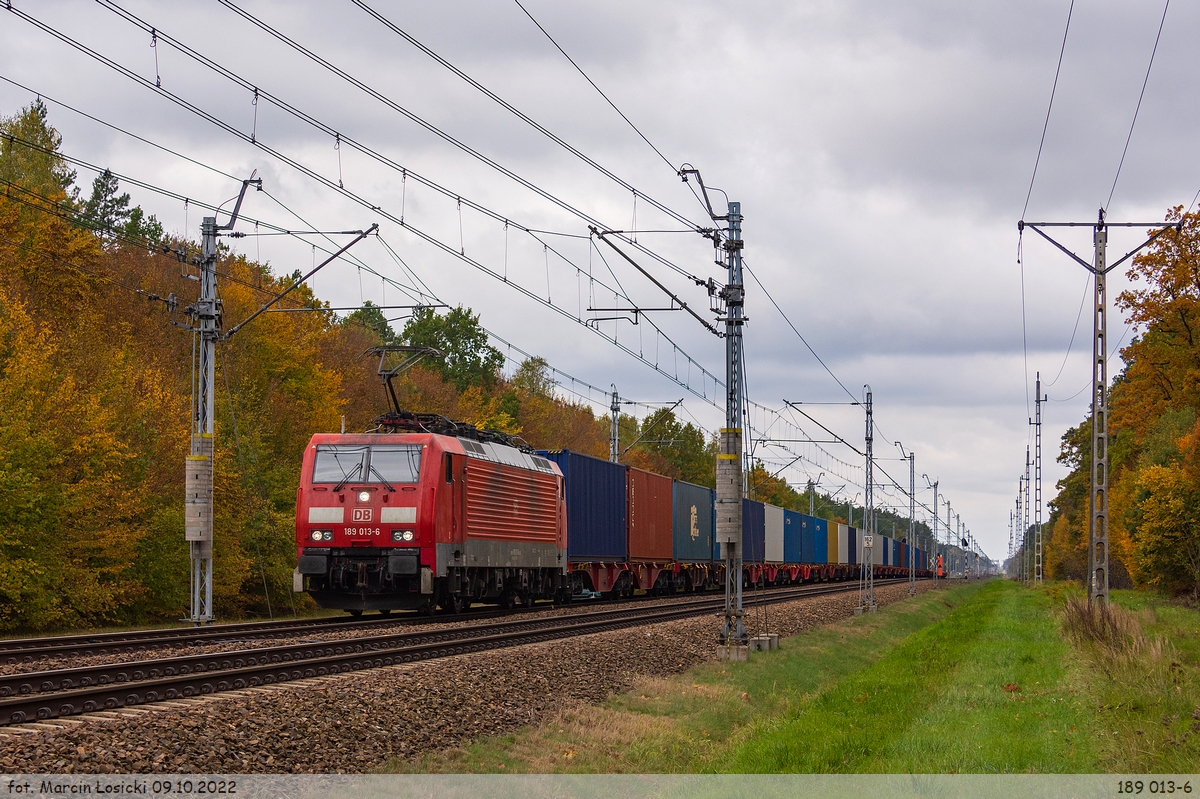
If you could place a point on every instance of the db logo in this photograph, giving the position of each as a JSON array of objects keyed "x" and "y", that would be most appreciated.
[{"x": 362, "y": 514}]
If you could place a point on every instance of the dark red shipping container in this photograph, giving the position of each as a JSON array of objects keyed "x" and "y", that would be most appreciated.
[{"x": 649, "y": 502}]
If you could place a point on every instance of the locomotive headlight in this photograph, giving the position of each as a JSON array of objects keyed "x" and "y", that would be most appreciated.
[
  {"x": 328, "y": 535},
  {"x": 364, "y": 496},
  {"x": 402, "y": 535},
  {"x": 408, "y": 535},
  {"x": 316, "y": 535},
  {"x": 322, "y": 535}
]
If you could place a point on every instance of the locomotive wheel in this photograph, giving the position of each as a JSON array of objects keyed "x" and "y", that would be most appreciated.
[
  {"x": 355, "y": 612},
  {"x": 507, "y": 602}
]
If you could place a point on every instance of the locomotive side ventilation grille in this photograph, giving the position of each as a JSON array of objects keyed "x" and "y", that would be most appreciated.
[
  {"x": 510, "y": 456},
  {"x": 473, "y": 447}
]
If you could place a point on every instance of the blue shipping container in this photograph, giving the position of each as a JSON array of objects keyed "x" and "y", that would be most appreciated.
[
  {"x": 808, "y": 539},
  {"x": 754, "y": 532},
  {"x": 852, "y": 546},
  {"x": 692, "y": 522},
  {"x": 820, "y": 539},
  {"x": 896, "y": 553},
  {"x": 793, "y": 537},
  {"x": 595, "y": 506}
]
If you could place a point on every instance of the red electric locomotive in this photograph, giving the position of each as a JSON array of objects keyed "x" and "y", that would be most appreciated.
[{"x": 438, "y": 518}]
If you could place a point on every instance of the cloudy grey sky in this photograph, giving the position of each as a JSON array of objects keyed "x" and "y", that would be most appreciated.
[{"x": 881, "y": 152}]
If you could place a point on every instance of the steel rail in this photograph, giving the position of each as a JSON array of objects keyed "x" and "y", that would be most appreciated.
[
  {"x": 131, "y": 642},
  {"x": 53, "y": 680},
  {"x": 266, "y": 667},
  {"x": 27, "y": 649}
]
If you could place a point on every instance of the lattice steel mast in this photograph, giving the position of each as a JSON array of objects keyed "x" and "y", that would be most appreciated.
[
  {"x": 937, "y": 545},
  {"x": 198, "y": 467},
  {"x": 614, "y": 437},
  {"x": 729, "y": 460},
  {"x": 912, "y": 524},
  {"x": 1025, "y": 520},
  {"x": 1098, "y": 495},
  {"x": 1037, "y": 485},
  {"x": 866, "y": 594}
]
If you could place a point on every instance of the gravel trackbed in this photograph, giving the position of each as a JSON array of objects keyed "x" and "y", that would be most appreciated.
[{"x": 354, "y": 722}]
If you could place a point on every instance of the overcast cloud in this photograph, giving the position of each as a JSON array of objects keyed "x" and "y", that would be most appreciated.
[{"x": 881, "y": 152}]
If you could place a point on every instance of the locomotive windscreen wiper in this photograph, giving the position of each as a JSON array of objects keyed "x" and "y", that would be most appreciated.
[
  {"x": 386, "y": 484},
  {"x": 349, "y": 476}
]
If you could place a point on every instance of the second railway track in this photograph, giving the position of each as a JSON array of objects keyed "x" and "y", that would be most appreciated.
[{"x": 39, "y": 696}]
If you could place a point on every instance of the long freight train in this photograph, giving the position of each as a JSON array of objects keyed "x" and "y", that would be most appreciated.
[{"x": 389, "y": 521}]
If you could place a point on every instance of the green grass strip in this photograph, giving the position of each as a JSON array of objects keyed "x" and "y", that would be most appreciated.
[{"x": 986, "y": 689}]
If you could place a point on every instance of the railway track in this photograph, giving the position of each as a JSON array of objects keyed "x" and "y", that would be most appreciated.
[
  {"x": 26, "y": 650},
  {"x": 38, "y": 696},
  {"x": 131, "y": 642}
]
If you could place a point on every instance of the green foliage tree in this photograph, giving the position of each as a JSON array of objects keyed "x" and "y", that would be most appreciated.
[
  {"x": 469, "y": 359},
  {"x": 37, "y": 167},
  {"x": 534, "y": 378},
  {"x": 689, "y": 453},
  {"x": 108, "y": 213},
  {"x": 371, "y": 317}
]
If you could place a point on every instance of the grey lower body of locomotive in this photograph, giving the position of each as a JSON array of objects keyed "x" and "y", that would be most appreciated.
[{"x": 359, "y": 579}]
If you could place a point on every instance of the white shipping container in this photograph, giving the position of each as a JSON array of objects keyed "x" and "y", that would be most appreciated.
[
  {"x": 773, "y": 517},
  {"x": 841, "y": 531}
]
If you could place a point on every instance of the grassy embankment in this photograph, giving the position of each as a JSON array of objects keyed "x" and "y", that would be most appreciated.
[{"x": 977, "y": 678}]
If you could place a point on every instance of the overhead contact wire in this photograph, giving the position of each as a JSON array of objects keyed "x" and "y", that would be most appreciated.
[
  {"x": 381, "y": 19},
  {"x": 1139, "y": 104}
]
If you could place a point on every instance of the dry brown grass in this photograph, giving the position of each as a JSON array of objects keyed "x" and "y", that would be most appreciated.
[{"x": 1114, "y": 633}]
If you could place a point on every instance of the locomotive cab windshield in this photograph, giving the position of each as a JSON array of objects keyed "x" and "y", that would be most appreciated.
[{"x": 380, "y": 463}]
